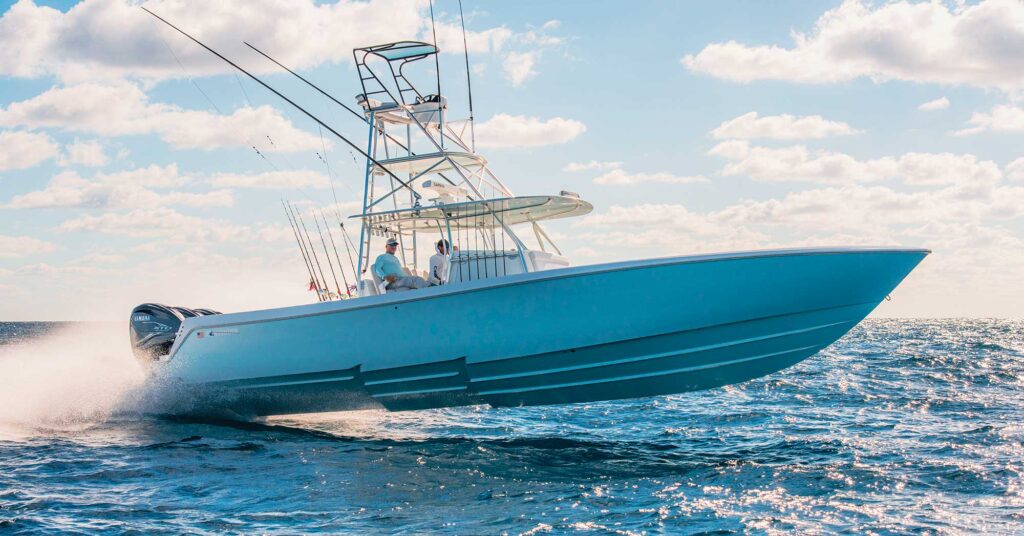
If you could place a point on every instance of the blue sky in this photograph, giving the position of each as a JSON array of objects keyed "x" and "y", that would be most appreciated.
[{"x": 706, "y": 127}]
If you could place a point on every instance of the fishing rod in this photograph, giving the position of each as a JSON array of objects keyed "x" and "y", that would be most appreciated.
[
  {"x": 328, "y": 255},
  {"x": 334, "y": 246},
  {"x": 311, "y": 84},
  {"x": 302, "y": 250},
  {"x": 316, "y": 259},
  {"x": 348, "y": 249},
  {"x": 308, "y": 246},
  {"x": 249, "y": 140},
  {"x": 319, "y": 286},
  {"x": 330, "y": 175},
  {"x": 415, "y": 194}
]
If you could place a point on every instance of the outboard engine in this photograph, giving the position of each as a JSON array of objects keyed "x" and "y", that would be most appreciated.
[{"x": 153, "y": 328}]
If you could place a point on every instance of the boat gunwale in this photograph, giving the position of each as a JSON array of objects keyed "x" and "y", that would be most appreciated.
[{"x": 398, "y": 298}]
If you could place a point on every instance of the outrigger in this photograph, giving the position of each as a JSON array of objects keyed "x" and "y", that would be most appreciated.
[{"x": 511, "y": 323}]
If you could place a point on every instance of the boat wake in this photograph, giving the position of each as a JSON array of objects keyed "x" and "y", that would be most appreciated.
[{"x": 72, "y": 378}]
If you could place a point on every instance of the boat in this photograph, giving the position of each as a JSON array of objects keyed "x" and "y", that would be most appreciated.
[{"x": 512, "y": 322}]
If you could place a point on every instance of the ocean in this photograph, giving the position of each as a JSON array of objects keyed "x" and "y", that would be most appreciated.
[{"x": 902, "y": 426}]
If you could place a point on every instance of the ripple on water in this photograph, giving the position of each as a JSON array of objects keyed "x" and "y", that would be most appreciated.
[{"x": 902, "y": 426}]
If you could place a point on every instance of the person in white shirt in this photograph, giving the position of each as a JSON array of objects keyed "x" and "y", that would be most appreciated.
[{"x": 439, "y": 264}]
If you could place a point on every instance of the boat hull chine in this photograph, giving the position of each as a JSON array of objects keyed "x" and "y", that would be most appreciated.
[{"x": 691, "y": 360}]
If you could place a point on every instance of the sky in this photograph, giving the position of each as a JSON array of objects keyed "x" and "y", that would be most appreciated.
[{"x": 128, "y": 172}]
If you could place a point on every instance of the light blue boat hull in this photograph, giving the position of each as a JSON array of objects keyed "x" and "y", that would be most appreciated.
[{"x": 602, "y": 332}]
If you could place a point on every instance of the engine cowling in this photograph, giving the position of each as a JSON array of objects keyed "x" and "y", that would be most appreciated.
[{"x": 153, "y": 328}]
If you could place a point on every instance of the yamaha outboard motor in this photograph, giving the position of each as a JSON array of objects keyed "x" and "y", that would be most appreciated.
[{"x": 153, "y": 328}]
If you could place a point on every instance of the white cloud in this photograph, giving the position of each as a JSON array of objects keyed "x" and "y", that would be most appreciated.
[
  {"x": 667, "y": 228},
  {"x": 114, "y": 39},
  {"x": 584, "y": 252},
  {"x": 876, "y": 210},
  {"x": 123, "y": 109},
  {"x": 124, "y": 189},
  {"x": 573, "y": 167},
  {"x": 100, "y": 258},
  {"x": 449, "y": 39},
  {"x": 85, "y": 153},
  {"x": 946, "y": 168},
  {"x": 940, "y": 103},
  {"x": 931, "y": 42},
  {"x": 488, "y": 41},
  {"x": 518, "y": 66},
  {"x": 153, "y": 176},
  {"x": 21, "y": 150},
  {"x": 797, "y": 163},
  {"x": 966, "y": 275},
  {"x": 1015, "y": 169},
  {"x": 781, "y": 127},
  {"x": 504, "y": 130},
  {"x": 849, "y": 209},
  {"x": 46, "y": 269},
  {"x": 538, "y": 38},
  {"x": 279, "y": 180},
  {"x": 173, "y": 226},
  {"x": 91, "y": 39},
  {"x": 22, "y": 246},
  {"x": 216, "y": 278},
  {"x": 840, "y": 209},
  {"x": 621, "y": 177},
  {"x": 647, "y": 214},
  {"x": 1002, "y": 118}
]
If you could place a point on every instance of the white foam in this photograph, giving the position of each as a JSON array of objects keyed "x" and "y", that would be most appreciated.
[{"x": 75, "y": 376}]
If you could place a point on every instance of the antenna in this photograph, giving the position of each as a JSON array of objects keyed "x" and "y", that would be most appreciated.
[
  {"x": 469, "y": 85},
  {"x": 437, "y": 69}
]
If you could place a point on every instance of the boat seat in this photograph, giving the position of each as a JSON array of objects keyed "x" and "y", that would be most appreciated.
[
  {"x": 379, "y": 285},
  {"x": 367, "y": 288}
]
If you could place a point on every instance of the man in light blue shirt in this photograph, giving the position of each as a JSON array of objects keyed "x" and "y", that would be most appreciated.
[{"x": 390, "y": 270}]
